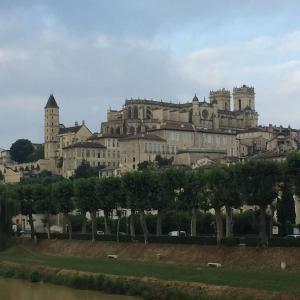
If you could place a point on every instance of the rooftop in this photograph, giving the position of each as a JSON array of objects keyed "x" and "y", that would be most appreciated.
[
  {"x": 86, "y": 145},
  {"x": 51, "y": 103}
]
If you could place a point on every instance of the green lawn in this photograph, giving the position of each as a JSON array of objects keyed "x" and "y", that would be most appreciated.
[{"x": 247, "y": 278}]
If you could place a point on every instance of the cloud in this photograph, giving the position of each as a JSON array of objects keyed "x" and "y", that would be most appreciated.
[{"x": 93, "y": 55}]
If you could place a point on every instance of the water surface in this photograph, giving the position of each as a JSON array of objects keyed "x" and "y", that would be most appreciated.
[{"x": 15, "y": 289}]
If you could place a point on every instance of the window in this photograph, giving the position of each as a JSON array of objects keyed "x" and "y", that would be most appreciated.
[
  {"x": 240, "y": 104},
  {"x": 133, "y": 159}
]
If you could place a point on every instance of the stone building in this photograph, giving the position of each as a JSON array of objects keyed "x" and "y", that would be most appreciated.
[
  {"x": 142, "y": 147},
  {"x": 141, "y": 115}
]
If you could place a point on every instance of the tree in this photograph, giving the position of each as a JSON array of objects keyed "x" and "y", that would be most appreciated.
[
  {"x": 44, "y": 203},
  {"x": 259, "y": 180},
  {"x": 23, "y": 193},
  {"x": 37, "y": 153},
  {"x": 86, "y": 171},
  {"x": 171, "y": 187},
  {"x": 108, "y": 193},
  {"x": 141, "y": 190},
  {"x": 192, "y": 193},
  {"x": 85, "y": 197},
  {"x": 162, "y": 161},
  {"x": 286, "y": 209},
  {"x": 21, "y": 150},
  {"x": 215, "y": 196},
  {"x": 62, "y": 193},
  {"x": 232, "y": 195},
  {"x": 7, "y": 209}
]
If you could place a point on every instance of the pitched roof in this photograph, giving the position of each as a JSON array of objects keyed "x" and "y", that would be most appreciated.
[
  {"x": 86, "y": 145},
  {"x": 70, "y": 129},
  {"x": 51, "y": 103}
]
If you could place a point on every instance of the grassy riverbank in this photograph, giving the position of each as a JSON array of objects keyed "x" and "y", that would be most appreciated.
[{"x": 287, "y": 282}]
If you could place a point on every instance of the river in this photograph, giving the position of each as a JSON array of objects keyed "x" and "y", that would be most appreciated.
[{"x": 15, "y": 289}]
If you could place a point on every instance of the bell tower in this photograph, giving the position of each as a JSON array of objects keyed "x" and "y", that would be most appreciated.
[{"x": 51, "y": 128}]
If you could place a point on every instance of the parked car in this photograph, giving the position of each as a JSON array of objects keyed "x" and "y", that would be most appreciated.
[
  {"x": 293, "y": 236},
  {"x": 100, "y": 232},
  {"x": 177, "y": 233}
]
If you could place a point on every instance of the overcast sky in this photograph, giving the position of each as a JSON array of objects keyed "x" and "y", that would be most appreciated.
[{"x": 93, "y": 54}]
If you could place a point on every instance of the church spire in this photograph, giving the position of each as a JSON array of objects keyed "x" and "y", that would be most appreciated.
[{"x": 51, "y": 103}]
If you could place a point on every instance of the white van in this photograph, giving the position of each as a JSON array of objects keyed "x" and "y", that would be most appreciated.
[{"x": 177, "y": 233}]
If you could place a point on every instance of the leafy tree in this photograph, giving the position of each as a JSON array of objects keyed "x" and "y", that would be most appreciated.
[
  {"x": 23, "y": 193},
  {"x": 146, "y": 165},
  {"x": 172, "y": 183},
  {"x": 215, "y": 195},
  {"x": 21, "y": 150},
  {"x": 7, "y": 209},
  {"x": 293, "y": 171},
  {"x": 286, "y": 209},
  {"x": 162, "y": 161},
  {"x": 37, "y": 153},
  {"x": 108, "y": 194},
  {"x": 44, "y": 203},
  {"x": 86, "y": 171},
  {"x": 192, "y": 194},
  {"x": 141, "y": 189},
  {"x": 259, "y": 181},
  {"x": 62, "y": 193},
  {"x": 85, "y": 197},
  {"x": 232, "y": 195}
]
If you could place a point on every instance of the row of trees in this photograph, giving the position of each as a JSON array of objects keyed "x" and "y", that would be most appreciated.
[{"x": 219, "y": 188}]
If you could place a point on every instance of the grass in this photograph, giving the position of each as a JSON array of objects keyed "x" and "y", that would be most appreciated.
[{"x": 235, "y": 277}]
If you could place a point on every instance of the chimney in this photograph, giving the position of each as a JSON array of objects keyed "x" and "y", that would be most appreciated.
[
  {"x": 76, "y": 123},
  {"x": 83, "y": 123}
]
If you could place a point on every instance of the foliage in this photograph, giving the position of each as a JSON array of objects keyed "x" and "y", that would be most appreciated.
[
  {"x": 286, "y": 210},
  {"x": 86, "y": 171},
  {"x": 21, "y": 151}
]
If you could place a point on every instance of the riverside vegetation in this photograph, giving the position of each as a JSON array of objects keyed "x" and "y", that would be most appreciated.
[
  {"x": 218, "y": 188},
  {"x": 173, "y": 190}
]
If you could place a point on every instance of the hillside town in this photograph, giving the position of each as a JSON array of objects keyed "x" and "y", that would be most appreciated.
[{"x": 191, "y": 134}]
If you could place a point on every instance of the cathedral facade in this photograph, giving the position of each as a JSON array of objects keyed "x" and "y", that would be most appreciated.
[{"x": 141, "y": 115}]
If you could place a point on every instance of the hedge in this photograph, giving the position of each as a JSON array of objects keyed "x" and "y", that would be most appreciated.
[{"x": 250, "y": 241}]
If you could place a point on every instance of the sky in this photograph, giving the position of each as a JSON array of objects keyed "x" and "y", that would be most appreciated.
[{"x": 94, "y": 54}]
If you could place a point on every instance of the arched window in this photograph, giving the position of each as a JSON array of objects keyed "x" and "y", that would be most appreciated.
[{"x": 135, "y": 112}]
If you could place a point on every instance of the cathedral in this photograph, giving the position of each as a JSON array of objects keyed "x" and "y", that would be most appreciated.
[{"x": 141, "y": 115}]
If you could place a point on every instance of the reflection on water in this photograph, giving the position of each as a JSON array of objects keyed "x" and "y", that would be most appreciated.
[{"x": 14, "y": 289}]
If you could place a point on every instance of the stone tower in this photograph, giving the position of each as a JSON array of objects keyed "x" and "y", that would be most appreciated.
[
  {"x": 221, "y": 98},
  {"x": 51, "y": 128},
  {"x": 243, "y": 97}
]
